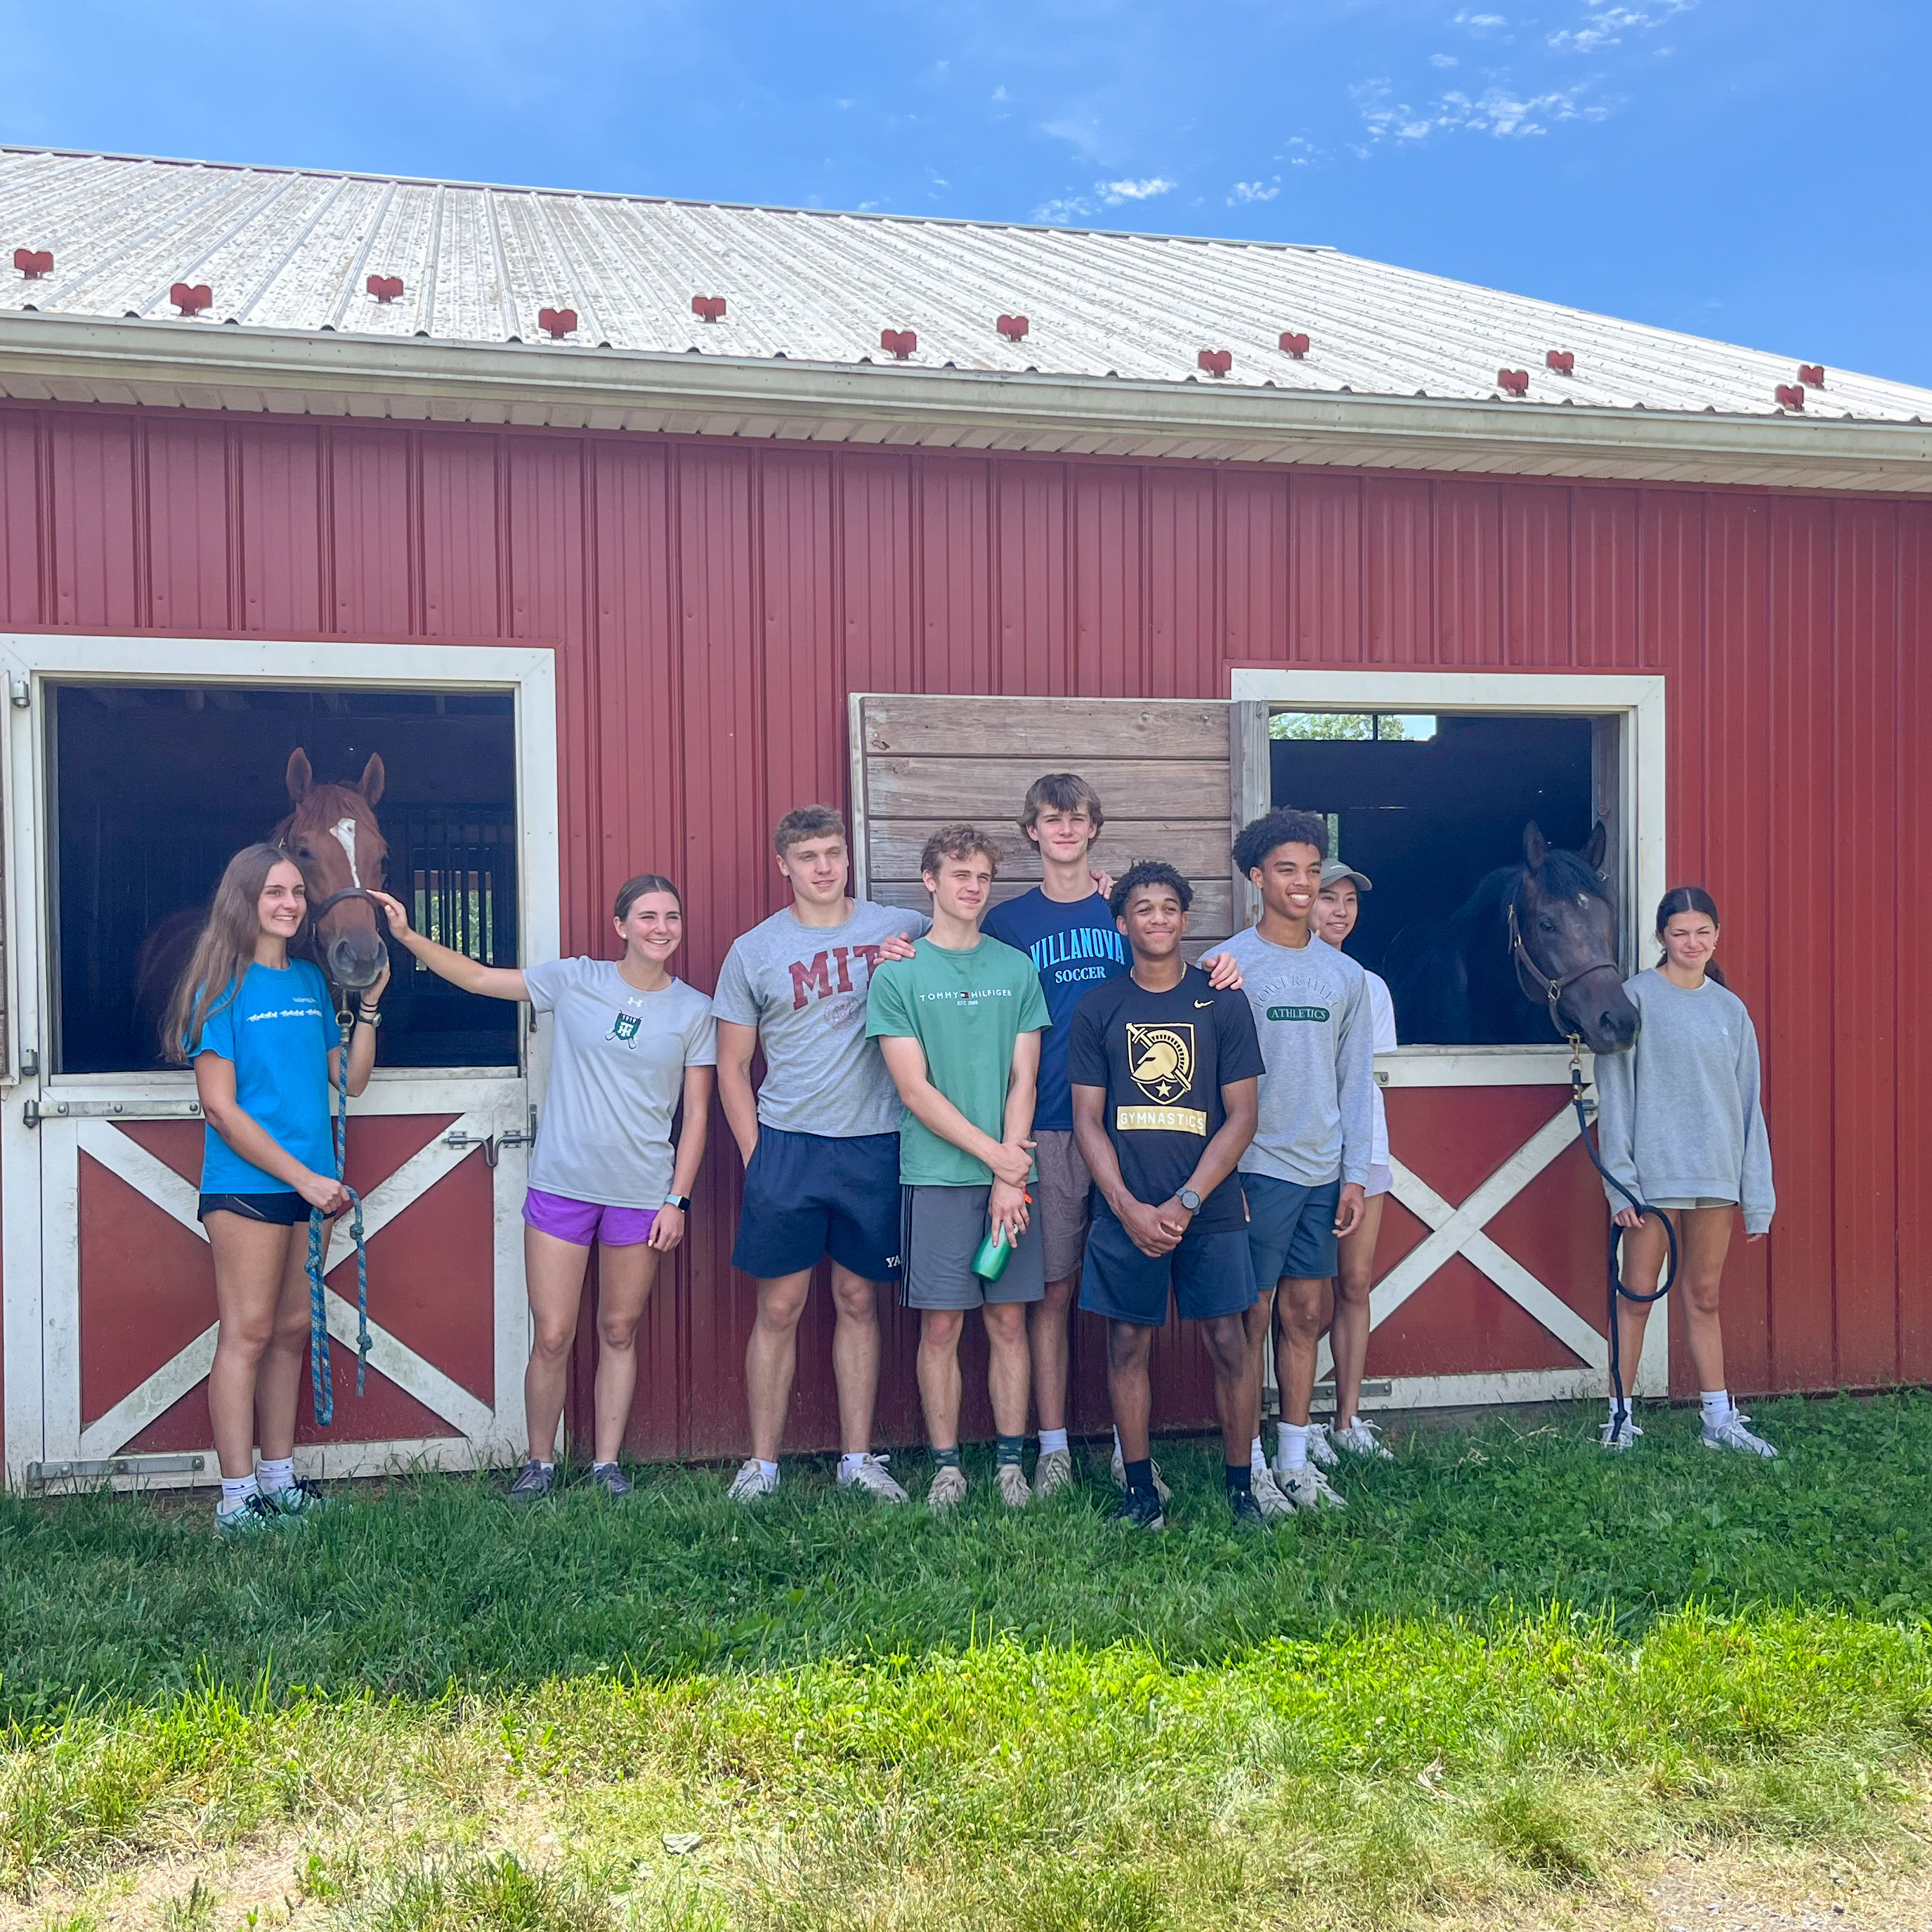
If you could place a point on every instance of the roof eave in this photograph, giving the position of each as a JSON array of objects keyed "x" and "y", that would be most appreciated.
[{"x": 198, "y": 365}]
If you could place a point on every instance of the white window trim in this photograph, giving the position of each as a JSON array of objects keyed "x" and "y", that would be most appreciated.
[{"x": 1636, "y": 699}]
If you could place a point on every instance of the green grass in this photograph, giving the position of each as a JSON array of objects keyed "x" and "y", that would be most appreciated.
[{"x": 1513, "y": 1664}]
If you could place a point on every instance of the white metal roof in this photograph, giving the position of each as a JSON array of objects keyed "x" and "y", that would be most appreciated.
[
  {"x": 1401, "y": 370},
  {"x": 292, "y": 250}
]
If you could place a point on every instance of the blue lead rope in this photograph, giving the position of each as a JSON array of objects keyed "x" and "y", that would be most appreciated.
[{"x": 319, "y": 1377}]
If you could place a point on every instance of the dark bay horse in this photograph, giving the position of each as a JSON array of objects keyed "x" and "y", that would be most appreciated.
[
  {"x": 1484, "y": 976},
  {"x": 332, "y": 835}
]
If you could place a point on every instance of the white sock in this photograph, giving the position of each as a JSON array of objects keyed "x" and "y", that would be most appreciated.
[
  {"x": 1630, "y": 1407},
  {"x": 1716, "y": 1406},
  {"x": 1290, "y": 1447},
  {"x": 1051, "y": 1439},
  {"x": 235, "y": 1491},
  {"x": 544, "y": 1464},
  {"x": 770, "y": 1471},
  {"x": 272, "y": 1477},
  {"x": 1120, "y": 1453},
  {"x": 848, "y": 1466},
  {"x": 1257, "y": 1455}
]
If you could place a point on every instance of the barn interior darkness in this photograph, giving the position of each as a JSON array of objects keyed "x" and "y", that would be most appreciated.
[
  {"x": 1426, "y": 814},
  {"x": 154, "y": 788}
]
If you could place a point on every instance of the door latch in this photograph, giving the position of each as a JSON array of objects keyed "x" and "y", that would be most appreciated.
[{"x": 492, "y": 1144}]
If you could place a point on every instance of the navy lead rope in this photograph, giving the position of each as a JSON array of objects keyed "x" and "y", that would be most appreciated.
[
  {"x": 319, "y": 1380},
  {"x": 1620, "y": 1415}
]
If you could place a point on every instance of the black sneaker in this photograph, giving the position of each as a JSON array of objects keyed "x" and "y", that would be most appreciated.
[
  {"x": 1245, "y": 1510},
  {"x": 611, "y": 1480},
  {"x": 533, "y": 1486},
  {"x": 1139, "y": 1509}
]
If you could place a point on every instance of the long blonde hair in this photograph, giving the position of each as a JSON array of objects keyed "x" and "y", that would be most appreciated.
[{"x": 225, "y": 951}]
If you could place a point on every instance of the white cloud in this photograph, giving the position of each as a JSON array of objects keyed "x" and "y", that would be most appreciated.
[
  {"x": 1444, "y": 60},
  {"x": 1106, "y": 194},
  {"x": 999, "y": 94},
  {"x": 1500, "y": 111},
  {"x": 1480, "y": 23},
  {"x": 1254, "y": 190},
  {"x": 1083, "y": 136},
  {"x": 1606, "y": 26}
]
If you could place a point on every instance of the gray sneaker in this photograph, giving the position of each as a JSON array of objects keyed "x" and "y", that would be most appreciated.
[
  {"x": 948, "y": 1488},
  {"x": 1321, "y": 1446},
  {"x": 1268, "y": 1498},
  {"x": 1731, "y": 1433},
  {"x": 1015, "y": 1492},
  {"x": 1307, "y": 1488},
  {"x": 533, "y": 1485},
  {"x": 1052, "y": 1472},
  {"x": 1119, "y": 1474},
  {"x": 873, "y": 1477},
  {"x": 751, "y": 1482},
  {"x": 1611, "y": 1435},
  {"x": 611, "y": 1480}
]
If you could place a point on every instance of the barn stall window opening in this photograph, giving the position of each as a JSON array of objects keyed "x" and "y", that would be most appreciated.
[{"x": 151, "y": 788}]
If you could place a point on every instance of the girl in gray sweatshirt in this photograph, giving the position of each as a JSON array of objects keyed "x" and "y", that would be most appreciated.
[{"x": 1680, "y": 1124}]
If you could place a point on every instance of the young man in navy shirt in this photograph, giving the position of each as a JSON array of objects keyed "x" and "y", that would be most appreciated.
[{"x": 1065, "y": 926}]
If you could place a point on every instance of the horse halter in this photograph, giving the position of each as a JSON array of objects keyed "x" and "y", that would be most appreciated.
[{"x": 1537, "y": 984}]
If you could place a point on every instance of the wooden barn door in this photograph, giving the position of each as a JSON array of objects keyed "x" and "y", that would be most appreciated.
[
  {"x": 110, "y": 1311},
  {"x": 1172, "y": 780}
]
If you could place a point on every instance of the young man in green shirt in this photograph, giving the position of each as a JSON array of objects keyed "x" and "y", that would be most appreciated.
[{"x": 959, "y": 1025}]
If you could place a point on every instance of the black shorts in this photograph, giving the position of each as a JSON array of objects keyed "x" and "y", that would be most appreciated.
[
  {"x": 810, "y": 1195},
  {"x": 284, "y": 1210},
  {"x": 1211, "y": 1274}
]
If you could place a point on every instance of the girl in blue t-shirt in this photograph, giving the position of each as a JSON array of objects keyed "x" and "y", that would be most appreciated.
[{"x": 258, "y": 1028}]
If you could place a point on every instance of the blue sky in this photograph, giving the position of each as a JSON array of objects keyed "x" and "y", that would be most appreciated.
[{"x": 1752, "y": 170}]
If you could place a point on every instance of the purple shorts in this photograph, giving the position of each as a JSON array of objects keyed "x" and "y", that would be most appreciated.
[{"x": 580, "y": 1222}]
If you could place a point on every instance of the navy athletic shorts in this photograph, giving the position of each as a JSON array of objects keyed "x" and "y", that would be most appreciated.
[
  {"x": 1210, "y": 1274},
  {"x": 807, "y": 1195},
  {"x": 284, "y": 1210},
  {"x": 1291, "y": 1229}
]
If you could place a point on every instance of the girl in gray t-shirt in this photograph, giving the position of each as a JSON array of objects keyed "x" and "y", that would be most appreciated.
[
  {"x": 632, "y": 1044},
  {"x": 1680, "y": 1124}
]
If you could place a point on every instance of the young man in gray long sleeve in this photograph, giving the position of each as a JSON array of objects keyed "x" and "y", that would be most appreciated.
[{"x": 1305, "y": 1171}]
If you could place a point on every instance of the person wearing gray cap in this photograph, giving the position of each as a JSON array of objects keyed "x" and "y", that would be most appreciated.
[{"x": 1337, "y": 906}]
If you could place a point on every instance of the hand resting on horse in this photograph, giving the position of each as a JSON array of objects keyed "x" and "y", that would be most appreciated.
[{"x": 495, "y": 983}]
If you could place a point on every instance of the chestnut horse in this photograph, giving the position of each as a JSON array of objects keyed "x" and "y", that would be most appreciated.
[{"x": 332, "y": 835}]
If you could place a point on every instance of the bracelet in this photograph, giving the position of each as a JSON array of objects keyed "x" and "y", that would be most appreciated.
[{"x": 365, "y": 1017}]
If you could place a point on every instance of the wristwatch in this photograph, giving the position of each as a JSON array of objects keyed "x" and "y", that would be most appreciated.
[
  {"x": 680, "y": 1201},
  {"x": 1189, "y": 1200},
  {"x": 369, "y": 1016}
]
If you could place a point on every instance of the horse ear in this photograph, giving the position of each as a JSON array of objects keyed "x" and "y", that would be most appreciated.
[
  {"x": 1599, "y": 844},
  {"x": 373, "y": 776},
  {"x": 1535, "y": 846},
  {"x": 300, "y": 777}
]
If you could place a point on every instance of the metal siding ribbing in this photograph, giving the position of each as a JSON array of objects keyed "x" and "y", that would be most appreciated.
[{"x": 712, "y": 606}]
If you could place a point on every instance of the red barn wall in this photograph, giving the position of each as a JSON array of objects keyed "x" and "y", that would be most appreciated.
[{"x": 711, "y": 604}]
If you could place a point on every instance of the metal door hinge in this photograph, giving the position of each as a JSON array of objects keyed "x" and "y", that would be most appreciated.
[
  {"x": 33, "y": 1112},
  {"x": 115, "y": 1466},
  {"x": 20, "y": 691}
]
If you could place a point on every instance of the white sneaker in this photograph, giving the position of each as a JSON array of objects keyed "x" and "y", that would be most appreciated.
[
  {"x": 751, "y": 1482},
  {"x": 1119, "y": 1472},
  {"x": 1359, "y": 1439},
  {"x": 1052, "y": 1472},
  {"x": 948, "y": 1488},
  {"x": 1307, "y": 1490},
  {"x": 872, "y": 1476},
  {"x": 1321, "y": 1449},
  {"x": 1611, "y": 1437},
  {"x": 1268, "y": 1498},
  {"x": 1015, "y": 1492},
  {"x": 1731, "y": 1433}
]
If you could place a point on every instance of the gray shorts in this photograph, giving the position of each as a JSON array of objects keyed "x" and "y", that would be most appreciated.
[
  {"x": 1060, "y": 1197},
  {"x": 942, "y": 1228}
]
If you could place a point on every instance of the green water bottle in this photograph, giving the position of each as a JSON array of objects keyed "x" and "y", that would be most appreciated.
[{"x": 995, "y": 1251}]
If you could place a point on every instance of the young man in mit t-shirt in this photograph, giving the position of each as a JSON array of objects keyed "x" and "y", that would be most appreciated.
[
  {"x": 819, "y": 1139},
  {"x": 1165, "y": 1070},
  {"x": 1305, "y": 1170},
  {"x": 1066, "y": 928},
  {"x": 959, "y": 1024}
]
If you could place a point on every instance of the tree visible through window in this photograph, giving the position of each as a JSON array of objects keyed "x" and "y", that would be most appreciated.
[{"x": 1381, "y": 726}]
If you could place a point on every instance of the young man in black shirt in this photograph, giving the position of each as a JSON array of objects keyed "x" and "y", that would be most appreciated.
[{"x": 1165, "y": 1073}]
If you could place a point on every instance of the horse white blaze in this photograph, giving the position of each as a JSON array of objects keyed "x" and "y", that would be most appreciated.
[{"x": 344, "y": 832}]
